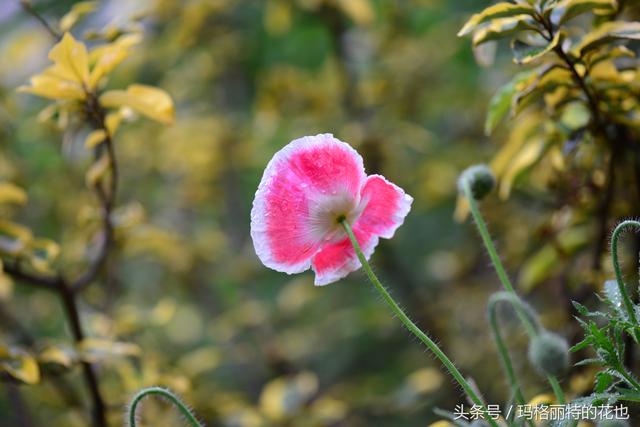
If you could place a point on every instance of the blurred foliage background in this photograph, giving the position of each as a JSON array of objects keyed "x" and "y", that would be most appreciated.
[{"x": 183, "y": 301}]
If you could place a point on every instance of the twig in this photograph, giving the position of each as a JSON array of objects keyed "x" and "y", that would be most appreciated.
[{"x": 27, "y": 7}]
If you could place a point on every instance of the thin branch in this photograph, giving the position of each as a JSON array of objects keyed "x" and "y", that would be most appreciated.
[
  {"x": 73, "y": 316},
  {"x": 39, "y": 281},
  {"x": 106, "y": 197},
  {"x": 27, "y": 7}
]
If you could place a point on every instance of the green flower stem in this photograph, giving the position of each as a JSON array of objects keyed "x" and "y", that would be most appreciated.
[
  {"x": 502, "y": 274},
  {"x": 175, "y": 400},
  {"x": 444, "y": 359},
  {"x": 628, "y": 305},
  {"x": 502, "y": 347},
  {"x": 555, "y": 385}
]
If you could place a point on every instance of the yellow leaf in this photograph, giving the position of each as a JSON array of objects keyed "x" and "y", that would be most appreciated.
[
  {"x": 56, "y": 355},
  {"x": 112, "y": 122},
  {"x": 52, "y": 87},
  {"x": 526, "y": 157},
  {"x": 285, "y": 396},
  {"x": 6, "y": 285},
  {"x": 358, "y": 10},
  {"x": 10, "y": 193},
  {"x": 94, "y": 349},
  {"x": 77, "y": 11},
  {"x": 106, "y": 58},
  {"x": 14, "y": 238},
  {"x": 43, "y": 253},
  {"x": 147, "y": 100},
  {"x": 94, "y": 138},
  {"x": 503, "y": 27},
  {"x": 22, "y": 366},
  {"x": 97, "y": 171},
  {"x": 500, "y": 10},
  {"x": 277, "y": 17},
  {"x": 606, "y": 32},
  {"x": 72, "y": 58}
]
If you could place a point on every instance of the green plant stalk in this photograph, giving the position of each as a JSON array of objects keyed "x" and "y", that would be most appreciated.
[
  {"x": 628, "y": 305},
  {"x": 503, "y": 351},
  {"x": 415, "y": 330},
  {"x": 175, "y": 400},
  {"x": 502, "y": 274}
]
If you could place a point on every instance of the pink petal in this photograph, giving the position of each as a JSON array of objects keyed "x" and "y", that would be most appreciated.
[
  {"x": 386, "y": 206},
  {"x": 337, "y": 260},
  {"x": 296, "y": 183}
]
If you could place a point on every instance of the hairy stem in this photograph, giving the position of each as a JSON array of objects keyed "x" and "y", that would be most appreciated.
[
  {"x": 412, "y": 327},
  {"x": 502, "y": 274},
  {"x": 173, "y": 398},
  {"x": 615, "y": 238},
  {"x": 503, "y": 351}
]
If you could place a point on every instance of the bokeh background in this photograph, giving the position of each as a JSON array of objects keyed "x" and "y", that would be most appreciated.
[{"x": 244, "y": 345}]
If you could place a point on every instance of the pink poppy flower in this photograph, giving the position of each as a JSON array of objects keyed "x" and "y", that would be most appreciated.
[{"x": 308, "y": 187}]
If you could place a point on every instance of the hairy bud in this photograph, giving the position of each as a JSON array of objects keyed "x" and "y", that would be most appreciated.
[
  {"x": 480, "y": 180},
  {"x": 549, "y": 354}
]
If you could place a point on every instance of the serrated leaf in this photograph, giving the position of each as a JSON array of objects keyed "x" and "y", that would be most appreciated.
[
  {"x": 615, "y": 30},
  {"x": 603, "y": 381},
  {"x": 504, "y": 27},
  {"x": 568, "y": 9},
  {"x": 500, "y": 10},
  {"x": 612, "y": 292},
  {"x": 580, "y": 308},
  {"x": 524, "y": 53}
]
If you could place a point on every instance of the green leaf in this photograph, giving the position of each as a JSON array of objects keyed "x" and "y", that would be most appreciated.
[
  {"x": 524, "y": 53},
  {"x": 500, "y": 10},
  {"x": 603, "y": 381},
  {"x": 609, "y": 31},
  {"x": 500, "y": 103},
  {"x": 569, "y": 9},
  {"x": 503, "y": 27}
]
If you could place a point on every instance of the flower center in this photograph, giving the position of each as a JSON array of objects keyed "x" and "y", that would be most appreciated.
[{"x": 329, "y": 211}]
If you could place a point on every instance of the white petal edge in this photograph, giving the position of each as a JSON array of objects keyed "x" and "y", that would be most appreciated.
[{"x": 258, "y": 210}]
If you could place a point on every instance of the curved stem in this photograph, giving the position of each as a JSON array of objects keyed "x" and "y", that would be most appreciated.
[
  {"x": 502, "y": 347},
  {"x": 628, "y": 305},
  {"x": 493, "y": 255},
  {"x": 502, "y": 274},
  {"x": 175, "y": 400},
  {"x": 415, "y": 330}
]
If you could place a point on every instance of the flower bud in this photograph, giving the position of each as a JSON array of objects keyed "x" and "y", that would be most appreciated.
[
  {"x": 549, "y": 354},
  {"x": 480, "y": 179}
]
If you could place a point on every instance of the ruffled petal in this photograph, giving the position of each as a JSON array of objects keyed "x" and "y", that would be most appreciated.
[
  {"x": 336, "y": 260},
  {"x": 385, "y": 207},
  {"x": 308, "y": 176}
]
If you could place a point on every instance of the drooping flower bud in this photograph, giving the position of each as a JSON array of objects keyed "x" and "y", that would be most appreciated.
[
  {"x": 549, "y": 354},
  {"x": 480, "y": 180}
]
